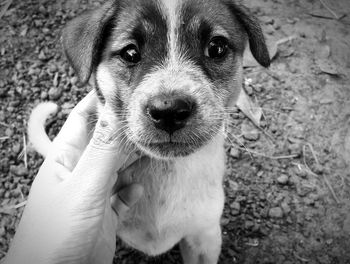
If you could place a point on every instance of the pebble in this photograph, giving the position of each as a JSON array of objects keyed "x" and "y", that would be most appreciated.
[
  {"x": 53, "y": 68},
  {"x": 235, "y": 206},
  {"x": 16, "y": 148},
  {"x": 283, "y": 179},
  {"x": 2, "y": 231},
  {"x": 285, "y": 207},
  {"x": 7, "y": 195},
  {"x": 249, "y": 132},
  {"x": 233, "y": 185},
  {"x": 43, "y": 95},
  {"x": 248, "y": 89},
  {"x": 55, "y": 93},
  {"x": 258, "y": 88},
  {"x": 276, "y": 212},
  {"x": 74, "y": 80},
  {"x": 19, "y": 170},
  {"x": 249, "y": 224},
  {"x": 42, "y": 55},
  {"x": 9, "y": 132},
  {"x": 2, "y": 116},
  {"x": 234, "y": 153}
]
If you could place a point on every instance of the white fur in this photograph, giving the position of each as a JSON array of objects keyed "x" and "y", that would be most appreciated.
[
  {"x": 170, "y": 9},
  {"x": 181, "y": 201},
  {"x": 36, "y": 127}
]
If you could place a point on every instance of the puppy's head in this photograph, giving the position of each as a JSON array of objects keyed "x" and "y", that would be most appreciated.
[{"x": 165, "y": 69}]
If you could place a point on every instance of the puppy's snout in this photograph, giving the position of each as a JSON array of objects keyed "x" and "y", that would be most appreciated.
[{"x": 170, "y": 113}]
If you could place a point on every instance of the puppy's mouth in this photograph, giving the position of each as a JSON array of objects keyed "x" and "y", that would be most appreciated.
[{"x": 169, "y": 149}]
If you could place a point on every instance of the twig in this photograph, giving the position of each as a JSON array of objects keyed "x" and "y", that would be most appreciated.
[
  {"x": 3, "y": 11},
  {"x": 270, "y": 157},
  {"x": 313, "y": 153},
  {"x": 4, "y": 138},
  {"x": 16, "y": 206},
  {"x": 25, "y": 157},
  {"x": 330, "y": 187},
  {"x": 286, "y": 39},
  {"x": 330, "y": 10}
]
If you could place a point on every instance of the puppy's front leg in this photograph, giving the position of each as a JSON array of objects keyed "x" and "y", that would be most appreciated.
[{"x": 203, "y": 247}]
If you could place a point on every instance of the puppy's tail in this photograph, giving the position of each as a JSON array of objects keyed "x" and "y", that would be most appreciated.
[{"x": 36, "y": 127}]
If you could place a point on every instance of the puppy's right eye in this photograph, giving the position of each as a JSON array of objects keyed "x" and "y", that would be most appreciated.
[{"x": 130, "y": 54}]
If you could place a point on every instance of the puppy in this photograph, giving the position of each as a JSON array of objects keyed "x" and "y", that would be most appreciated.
[{"x": 167, "y": 71}]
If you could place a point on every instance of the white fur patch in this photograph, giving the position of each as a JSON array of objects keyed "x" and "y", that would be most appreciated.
[
  {"x": 171, "y": 11},
  {"x": 105, "y": 81}
]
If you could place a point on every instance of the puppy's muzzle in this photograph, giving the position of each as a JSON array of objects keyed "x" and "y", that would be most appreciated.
[{"x": 170, "y": 113}]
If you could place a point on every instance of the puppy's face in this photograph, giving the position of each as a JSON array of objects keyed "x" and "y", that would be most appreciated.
[{"x": 167, "y": 69}]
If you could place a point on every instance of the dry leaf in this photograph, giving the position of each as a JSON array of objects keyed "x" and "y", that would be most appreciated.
[{"x": 249, "y": 108}]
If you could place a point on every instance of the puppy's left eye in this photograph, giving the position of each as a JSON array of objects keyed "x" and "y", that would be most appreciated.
[
  {"x": 216, "y": 48},
  {"x": 130, "y": 54}
]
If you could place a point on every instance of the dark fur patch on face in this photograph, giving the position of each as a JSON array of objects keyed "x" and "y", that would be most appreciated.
[
  {"x": 202, "y": 21},
  {"x": 140, "y": 23}
]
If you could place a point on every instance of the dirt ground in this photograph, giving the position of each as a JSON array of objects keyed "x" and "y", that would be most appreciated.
[{"x": 287, "y": 182}]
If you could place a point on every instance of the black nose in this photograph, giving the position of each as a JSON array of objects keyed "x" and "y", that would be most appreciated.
[{"x": 169, "y": 113}]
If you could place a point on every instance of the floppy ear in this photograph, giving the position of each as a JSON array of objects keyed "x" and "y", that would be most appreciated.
[
  {"x": 83, "y": 39},
  {"x": 255, "y": 35}
]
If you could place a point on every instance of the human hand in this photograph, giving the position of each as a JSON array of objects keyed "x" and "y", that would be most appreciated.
[{"x": 69, "y": 217}]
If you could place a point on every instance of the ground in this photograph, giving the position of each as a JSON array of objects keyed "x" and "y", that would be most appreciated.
[{"x": 287, "y": 182}]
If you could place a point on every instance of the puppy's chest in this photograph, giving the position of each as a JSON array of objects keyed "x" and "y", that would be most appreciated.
[{"x": 179, "y": 198}]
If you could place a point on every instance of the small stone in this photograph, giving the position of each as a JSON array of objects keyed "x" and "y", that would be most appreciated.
[
  {"x": 42, "y": 55},
  {"x": 9, "y": 132},
  {"x": 248, "y": 224},
  {"x": 276, "y": 212},
  {"x": 234, "y": 212},
  {"x": 2, "y": 116},
  {"x": 248, "y": 89},
  {"x": 283, "y": 179},
  {"x": 234, "y": 153},
  {"x": 19, "y": 170},
  {"x": 233, "y": 185},
  {"x": 258, "y": 88},
  {"x": 16, "y": 148},
  {"x": 224, "y": 221},
  {"x": 2, "y": 231},
  {"x": 270, "y": 30},
  {"x": 249, "y": 132},
  {"x": 44, "y": 95},
  {"x": 74, "y": 80},
  {"x": 7, "y": 195},
  {"x": 286, "y": 208},
  {"x": 235, "y": 206},
  {"x": 55, "y": 93},
  {"x": 53, "y": 68}
]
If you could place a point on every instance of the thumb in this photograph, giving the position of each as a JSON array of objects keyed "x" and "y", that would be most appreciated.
[{"x": 102, "y": 158}]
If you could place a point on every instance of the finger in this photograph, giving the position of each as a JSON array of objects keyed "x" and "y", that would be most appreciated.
[
  {"x": 125, "y": 177},
  {"x": 74, "y": 135},
  {"x": 126, "y": 198},
  {"x": 103, "y": 156}
]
